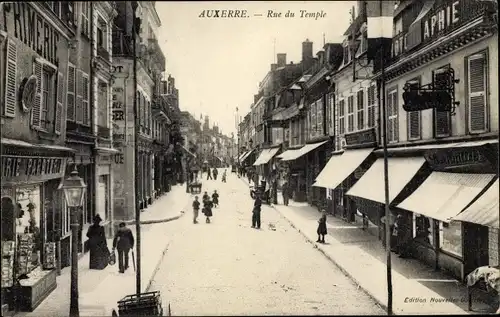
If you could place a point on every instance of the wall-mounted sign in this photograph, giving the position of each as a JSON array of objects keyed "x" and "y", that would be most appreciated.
[
  {"x": 22, "y": 169},
  {"x": 441, "y": 19},
  {"x": 447, "y": 158},
  {"x": 33, "y": 29},
  {"x": 28, "y": 91},
  {"x": 362, "y": 137}
]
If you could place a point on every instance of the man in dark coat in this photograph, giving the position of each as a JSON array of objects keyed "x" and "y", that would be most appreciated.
[
  {"x": 209, "y": 174},
  {"x": 256, "y": 212},
  {"x": 215, "y": 173},
  {"x": 123, "y": 242},
  {"x": 285, "y": 193}
]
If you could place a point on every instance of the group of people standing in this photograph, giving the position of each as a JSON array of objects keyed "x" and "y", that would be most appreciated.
[
  {"x": 208, "y": 204},
  {"x": 100, "y": 256}
]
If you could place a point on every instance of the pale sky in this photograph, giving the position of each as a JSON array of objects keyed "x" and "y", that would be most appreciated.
[{"x": 218, "y": 62}]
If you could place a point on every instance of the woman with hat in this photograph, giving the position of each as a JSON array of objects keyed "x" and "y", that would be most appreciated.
[{"x": 99, "y": 252}]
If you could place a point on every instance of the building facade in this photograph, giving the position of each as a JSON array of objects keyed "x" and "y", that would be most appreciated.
[{"x": 34, "y": 73}]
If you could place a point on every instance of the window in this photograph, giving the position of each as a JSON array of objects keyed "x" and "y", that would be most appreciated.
[
  {"x": 319, "y": 116},
  {"x": 350, "y": 114},
  {"x": 392, "y": 116},
  {"x": 414, "y": 117},
  {"x": 85, "y": 18},
  {"x": 70, "y": 102},
  {"x": 9, "y": 84},
  {"x": 442, "y": 119},
  {"x": 450, "y": 237},
  {"x": 361, "y": 109},
  {"x": 102, "y": 32},
  {"x": 46, "y": 98},
  {"x": 476, "y": 90},
  {"x": 371, "y": 106},
  {"x": 45, "y": 112},
  {"x": 341, "y": 112},
  {"x": 103, "y": 104},
  {"x": 347, "y": 54}
]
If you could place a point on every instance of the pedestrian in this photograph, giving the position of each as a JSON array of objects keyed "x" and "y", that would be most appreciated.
[
  {"x": 403, "y": 233},
  {"x": 321, "y": 231},
  {"x": 205, "y": 197},
  {"x": 284, "y": 192},
  {"x": 256, "y": 212},
  {"x": 209, "y": 174},
  {"x": 196, "y": 209},
  {"x": 215, "y": 173},
  {"x": 207, "y": 210},
  {"x": 215, "y": 198},
  {"x": 99, "y": 252},
  {"x": 123, "y": 242},
  {"x": 224, "y": 175}
]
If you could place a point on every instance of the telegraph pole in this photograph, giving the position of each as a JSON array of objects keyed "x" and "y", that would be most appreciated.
[{"x": 136, "y": 151}]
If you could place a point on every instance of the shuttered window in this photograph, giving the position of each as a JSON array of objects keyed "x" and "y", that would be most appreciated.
[
  {"x": 10, "y": 100},
  {"x": 442, "y": 119},
  {"x": 361, "y": 109},
  {"x": 37, "y": 105},
  {"x": 350, "y": 114},
  {"x": 341, "y": 112},
  {"x": 58, "y": 117},
  {"x": 47, "y": 96},
  {"x": 70, "y": 102},
  {"x": 477, "y": 105},
  {"x": 85, "y": 18},
  {"x": 79, "y": 98},
  {"x": 392, "y": 116},
  {"x": 414, "y": 117},
  {"x": 85, "y": 100},
  {"x": 371, "y": 106}
]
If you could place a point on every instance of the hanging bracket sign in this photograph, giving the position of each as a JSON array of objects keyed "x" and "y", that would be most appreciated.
[{"x": 28, "y": 91}]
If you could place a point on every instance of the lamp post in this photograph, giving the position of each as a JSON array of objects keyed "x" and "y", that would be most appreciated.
[{"x": 74, "y": 190}]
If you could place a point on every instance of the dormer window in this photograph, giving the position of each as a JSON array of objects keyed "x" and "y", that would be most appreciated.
[{"x": 347, "y": 54}]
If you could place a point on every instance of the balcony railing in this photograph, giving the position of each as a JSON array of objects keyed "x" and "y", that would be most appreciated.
[
  {"x": 103, "y": 53},
  {"x": 122, "y": 43},
  {"x": 103, "y": 132}
]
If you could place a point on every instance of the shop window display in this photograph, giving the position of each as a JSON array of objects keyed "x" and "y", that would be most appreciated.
[
  {"x": 423, "y": 230},
  {"x": 450, "y": 237}
]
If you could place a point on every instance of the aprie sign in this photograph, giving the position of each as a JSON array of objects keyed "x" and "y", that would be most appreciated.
[{"x": 442, "y": 19}]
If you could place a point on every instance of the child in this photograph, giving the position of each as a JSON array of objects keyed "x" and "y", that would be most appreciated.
[
  {"x": 196, "y": 209},
  {"x": 205, "y": 197},
  {"x": 215, "y": 198},
  {"x": 207, "y": 210},
  {"x": 322, "y": 228}
]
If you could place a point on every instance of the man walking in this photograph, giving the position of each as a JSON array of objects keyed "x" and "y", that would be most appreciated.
[
  {"x": 123, "y": 242},
  {"x": 256, "y": 212},
  {"x": 284, "y": 192},
  {"x": 209, "y": 174}
]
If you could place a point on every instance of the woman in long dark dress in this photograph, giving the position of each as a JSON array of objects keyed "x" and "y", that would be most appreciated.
[
  {"x": 322, "y": 230},
  {"x": 99, "y": 252}
]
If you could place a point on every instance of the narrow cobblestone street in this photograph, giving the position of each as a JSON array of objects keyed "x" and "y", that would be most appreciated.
[{"x": 227, "y": 268}]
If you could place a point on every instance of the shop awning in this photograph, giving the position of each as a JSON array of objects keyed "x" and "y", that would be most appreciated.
[
  {"x": 484, "y": 211},
  {"x": 288, "y": 153},
  {"x": 19, "y": 143},
  {"x": 444, "y": 195},
  {"x": 339, "y": 167},
  {"x": 241, "y": 156},
  {"x": 302, "y": 151},
  {"x": 401, "y": 171},
  {"x": 247, "y": 154},
  {"x": 266, "y": 155}
]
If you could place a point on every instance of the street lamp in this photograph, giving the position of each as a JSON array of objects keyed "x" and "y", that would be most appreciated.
[{"x": 74, "y": 190}]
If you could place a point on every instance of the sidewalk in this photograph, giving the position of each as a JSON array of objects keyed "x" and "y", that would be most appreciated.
[
  {"x": 101, "y": 289},
  {"x": 417, "y": 289}
]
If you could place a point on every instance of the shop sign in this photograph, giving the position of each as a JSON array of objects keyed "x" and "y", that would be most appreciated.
[
  {"x": 442, "y": 19},
  {"x": 442, "y": 159},
  {"x": 23, "y": 169},
  {"x": 28, "y": 89},
  {"x": 362, "y": 137},
  {"x": 32, "y": 29}
]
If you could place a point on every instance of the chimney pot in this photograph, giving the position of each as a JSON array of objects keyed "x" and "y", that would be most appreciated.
[
  {"x": 307, "y": 50},
  {"x": 273, "y": 67},
  {"x": 281, "y": 59}
]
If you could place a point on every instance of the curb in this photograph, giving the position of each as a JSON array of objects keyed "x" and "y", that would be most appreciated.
[
  {"x": 344, "y": 271},
  {"x": 148, "y": 222}
]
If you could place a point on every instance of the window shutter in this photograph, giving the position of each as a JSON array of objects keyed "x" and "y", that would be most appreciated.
[
  {"x": 37, "y": 106},
  {"x": 395, "y": 114},
  {"x": 442, "y": 122},
  {"x": 79, "y": 97},
  {"x": 70, "y": 103},
  {"x": 361, "y": 109},
  {"x": 477, "y": 93},
  {"x": 85, "y": 103},
  {"x": 59, "y": 104},
  {"x": 414, "y": 125},
  {"x": 10, "y": 100}
]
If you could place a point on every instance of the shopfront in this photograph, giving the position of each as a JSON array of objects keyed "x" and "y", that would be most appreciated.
[
  {"x": 32, "y": 218},
  {"x": 342, "y": 172},
  {"x": 104, "y": 192},
  {"x": 460, "y": 174}
]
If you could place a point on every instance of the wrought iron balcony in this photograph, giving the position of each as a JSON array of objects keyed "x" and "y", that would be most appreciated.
[
  {"x": 122, "y": 43},
  {"x": 103, "y": 132}
]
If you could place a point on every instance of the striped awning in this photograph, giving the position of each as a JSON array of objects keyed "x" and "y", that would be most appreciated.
[
  {"x": 484, "y": 211},
  {"x": 443, "y": 195},
  {"x": 247, "y": 154},
  {"x": 242, "y": 155}
]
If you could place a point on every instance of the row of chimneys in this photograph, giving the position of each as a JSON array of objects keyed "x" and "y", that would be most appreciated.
[{"x": 307, "y": 54}]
